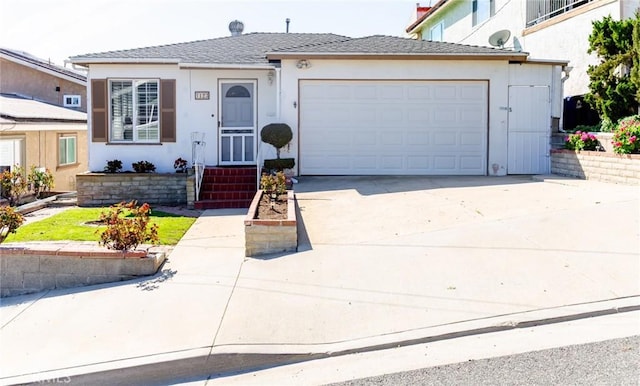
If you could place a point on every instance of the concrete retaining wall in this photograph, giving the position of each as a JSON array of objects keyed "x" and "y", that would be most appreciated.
[
  {"x": 270, "y": 236},
  {"x": 25, "y": 270},
  {"x": 593, "y": 165},
  {"x": 100, "y": 189}
]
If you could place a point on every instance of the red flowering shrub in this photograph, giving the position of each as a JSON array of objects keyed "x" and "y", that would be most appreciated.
[
  {"x": 10, "y": 220},
  {"x": 626, "y": 137},
  {"x": 127, "y": 226},
  {"x": 581, "y": 141}
]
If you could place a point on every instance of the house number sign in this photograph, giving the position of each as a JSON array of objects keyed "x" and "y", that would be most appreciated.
[{"x": 202, "y": 95}]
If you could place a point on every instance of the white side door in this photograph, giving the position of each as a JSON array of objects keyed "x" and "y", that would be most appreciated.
[{"x": 529, "y": 130}]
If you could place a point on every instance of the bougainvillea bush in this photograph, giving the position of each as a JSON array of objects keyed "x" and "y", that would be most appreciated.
[
  {"x": 10, "y": 220},
  {"x": 581, "y": 140},
  {"x": 128, "y": 226},
  {"x": 626, "y": 137}
]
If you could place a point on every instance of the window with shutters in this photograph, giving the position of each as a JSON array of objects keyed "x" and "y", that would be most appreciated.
[
  {"x": 133, "y": 112},
  {"x": 67, "y": 149}
]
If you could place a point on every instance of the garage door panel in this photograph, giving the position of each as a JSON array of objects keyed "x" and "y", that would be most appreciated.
[{"x": 399, "y": 127}]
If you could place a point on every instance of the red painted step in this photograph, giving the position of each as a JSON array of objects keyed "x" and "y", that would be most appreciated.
[{"x": 227, "y": 187}]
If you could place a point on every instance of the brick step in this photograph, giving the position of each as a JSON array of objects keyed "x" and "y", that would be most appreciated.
[
  {"x": 205, "y": 195},
  {"x": 229, "y": 180},
  {"x": 238, "y": 187},
  {"x": 230, "y": 171},
  {"x": 222, "y": 204}
]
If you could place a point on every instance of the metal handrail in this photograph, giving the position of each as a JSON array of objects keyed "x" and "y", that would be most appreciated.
[
  {"x": 541, "y": 10},
  {"x": 197, "y": 153}
]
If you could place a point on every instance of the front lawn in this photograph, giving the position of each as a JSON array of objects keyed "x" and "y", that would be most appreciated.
[{"x": 76, "y": 225}]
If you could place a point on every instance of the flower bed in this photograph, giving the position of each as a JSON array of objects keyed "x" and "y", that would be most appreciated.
[{"x": 263, "y": 236}]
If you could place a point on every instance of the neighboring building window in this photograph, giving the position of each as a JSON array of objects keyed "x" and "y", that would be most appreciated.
[
  {"x": 541, "y": 10},
  {"x": 134, "y": 113},
  {"x": 72, "y": 100},
  {"x": 67, "y": 150},
  {"x": 482, "y": 10},
  {"x": 437, "y": 32}
]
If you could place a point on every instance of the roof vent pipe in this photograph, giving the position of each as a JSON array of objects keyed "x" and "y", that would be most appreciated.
[
  {"x": 288, "y": 21},
  {"x": 236, "y": 27}
]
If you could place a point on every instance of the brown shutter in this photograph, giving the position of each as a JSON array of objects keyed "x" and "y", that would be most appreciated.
[
  {"x": 99, "y": 111},
  {"x": 168, "y": 110}
]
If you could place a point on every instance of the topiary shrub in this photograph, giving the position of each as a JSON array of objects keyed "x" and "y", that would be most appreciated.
[
  {"x": 277, "y": 135},
  {"x": 113, "y": 166}
]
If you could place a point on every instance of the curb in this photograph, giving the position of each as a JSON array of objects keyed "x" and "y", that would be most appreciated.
[{"x": 204, "y": 362}]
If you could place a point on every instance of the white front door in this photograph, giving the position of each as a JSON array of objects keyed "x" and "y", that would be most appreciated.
[
  {"x": 237, "y": 123},
  {"x": 529, "y": 130}
]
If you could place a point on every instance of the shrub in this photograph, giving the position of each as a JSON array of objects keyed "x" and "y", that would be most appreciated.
[
  {"x": 13, "y": 185},
  {"x": 274, "y": 183},
  {"x": 10, "y": 220},
  {"x": 113, "y": 166},
  {"x": 143, "y": 167},
  {"x": 180, "y": 165},
  {"x": 626, "y": 137},
  {"x": 40, "y": 181},
  {"x": 279, "y": 164},
  {"x": 127, "y": 226},
  {"x": 581, "y": 141},
  {"x": 277, "y": 135}
]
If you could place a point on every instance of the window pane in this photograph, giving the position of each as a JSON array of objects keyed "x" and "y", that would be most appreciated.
[
  {"x": 121, "y": 110},
  {"x": 71, "y": 150},
  {"x": 248, "y": 148},
  {"x": 62, "y": 151},
  {"x": 147, "y": 124},
  {"x": 226, "y": 148},
  {"x": 237, "y": 148}
]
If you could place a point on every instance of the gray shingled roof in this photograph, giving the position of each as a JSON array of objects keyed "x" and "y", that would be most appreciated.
[
  {"x": 244, "y": 49},
  {"x": 390, "y": 45},
  {"x": 28, "y": 58},
  {"x": 255, "y": 48}
]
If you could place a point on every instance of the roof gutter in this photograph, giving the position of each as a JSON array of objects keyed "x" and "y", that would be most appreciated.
[
  {"x": 227, "y": 66},
  {"x": 522, "y": 57},
  {"x": 124, "y": 61}
]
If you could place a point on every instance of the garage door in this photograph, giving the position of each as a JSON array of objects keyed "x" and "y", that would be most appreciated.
[{"x": 393, "y": 127}]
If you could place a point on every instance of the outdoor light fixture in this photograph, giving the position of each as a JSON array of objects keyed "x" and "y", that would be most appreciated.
[
  {"x": 270, "y": 76},
  {"x": 303, "y": 64}
]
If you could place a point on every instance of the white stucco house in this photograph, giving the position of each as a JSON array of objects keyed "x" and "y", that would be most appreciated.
[
  {"x": 549, "y": 29},
  {"x": 376, "y": 105}
]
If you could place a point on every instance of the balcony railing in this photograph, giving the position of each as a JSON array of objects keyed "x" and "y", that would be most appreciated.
[{"x": 541, "y": 10}]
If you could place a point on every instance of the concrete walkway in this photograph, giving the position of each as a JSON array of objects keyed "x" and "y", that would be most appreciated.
[{"x": 383, "y": 261}]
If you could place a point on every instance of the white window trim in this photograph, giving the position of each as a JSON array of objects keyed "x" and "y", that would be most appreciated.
[
  {"x": 77, "y": 101},
  {"x": 134, "y": 83},
  {"x": 75, "y": 149}
]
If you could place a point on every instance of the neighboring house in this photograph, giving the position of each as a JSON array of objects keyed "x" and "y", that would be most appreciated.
[
  {"x": 33, "y": 78},
  {"x": 376, "y": 105},
  {"x": 549, "y": 29},
  {"x": 42, "y": 117},
  {"x": 38, "y": 134}
]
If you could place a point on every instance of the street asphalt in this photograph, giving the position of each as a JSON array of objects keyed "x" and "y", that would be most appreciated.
[{"x": 382, "y": 262}]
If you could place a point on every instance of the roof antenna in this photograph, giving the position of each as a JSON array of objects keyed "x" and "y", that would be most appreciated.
[{"x": 288, "y": 20}]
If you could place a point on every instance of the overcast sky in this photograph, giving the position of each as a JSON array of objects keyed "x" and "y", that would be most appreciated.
[{"x": 57, "y": 29}]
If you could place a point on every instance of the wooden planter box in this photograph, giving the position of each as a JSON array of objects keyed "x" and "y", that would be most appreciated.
[{"x": 270, "y": 236}]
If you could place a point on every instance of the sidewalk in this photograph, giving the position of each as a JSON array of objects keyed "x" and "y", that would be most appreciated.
[{"x": 383, "y": 261}]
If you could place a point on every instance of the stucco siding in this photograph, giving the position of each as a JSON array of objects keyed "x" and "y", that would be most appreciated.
[
  {"x": 38, "y": 85},
  {"x": 192, "y": 115}
]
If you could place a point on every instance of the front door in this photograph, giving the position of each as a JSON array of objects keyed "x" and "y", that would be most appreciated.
[{"x": 237, "y": 122}]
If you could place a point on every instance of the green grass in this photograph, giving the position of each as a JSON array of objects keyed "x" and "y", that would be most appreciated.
[{"x": 72, "y": 225}]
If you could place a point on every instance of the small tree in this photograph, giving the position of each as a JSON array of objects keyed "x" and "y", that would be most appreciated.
[
  {"x": 40, "y": 181},
  {"x": 13, "y": 185},
  {"x": 612, "y": 93},
  {"x": 635, "y": 70},
  {"x": 277, "y": 135}
]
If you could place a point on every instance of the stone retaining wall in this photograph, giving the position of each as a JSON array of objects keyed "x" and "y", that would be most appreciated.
[
  {"x": 25, "y": 270},
  {"x": 102, "y": 189},
  {"x": 593, "y": 165}
]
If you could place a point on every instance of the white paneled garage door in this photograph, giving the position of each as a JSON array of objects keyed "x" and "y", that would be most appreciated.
[{"x": 393, "y": 127}]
